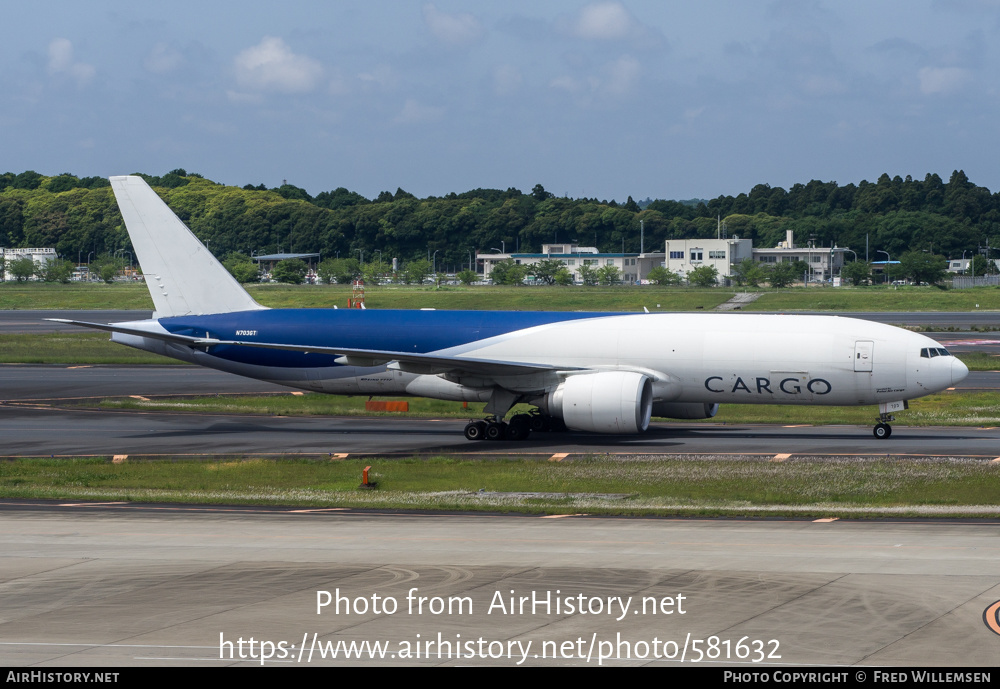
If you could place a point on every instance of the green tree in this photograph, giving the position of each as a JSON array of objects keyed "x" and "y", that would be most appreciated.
[
  {"x": 546, "y": 269},
  {"x": 507, "y": 272},
  {"x": 415, "y": 272},
  {"x": 609, "y": 275},
  {"x": 783, "y": 274},
  {"x": 921, "y": 266},
  {"x": 21, "y": 268},
  {"x": 662, "y": 276},
  {"x": 979, "y": 265},
  {"x": 291, "y": 271},
  {"x": 467, "y": 277},
  {"x": 241, "y": 267},
  {"x": 563, "y": 276},
  {"x": 339, "y": 270},
  {"x": 857, "y": 272},
  {"x": 373, "y": 272},
  {"x": 589, "y": 275},
  {"x": 704, "y": 276},
  {"x": 107, "y": 267},
  {"x": 56, "y": 270},
  {"x": 749, "y": 273},
  {"x": 539, "y": 193}
]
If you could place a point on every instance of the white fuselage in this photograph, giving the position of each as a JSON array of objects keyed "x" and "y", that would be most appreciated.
[{"x": 703, "y": 358}]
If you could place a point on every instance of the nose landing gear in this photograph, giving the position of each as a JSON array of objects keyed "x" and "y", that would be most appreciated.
[{"x": 882, "y": 429}]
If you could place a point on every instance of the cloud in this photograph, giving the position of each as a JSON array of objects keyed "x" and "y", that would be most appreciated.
[
  {"x": 604, "y": 21},
  {"x": 456, "y": 29},
  {"x": 61, "y": 62},
  {"x": 272, "y": 66},
  {"x": 612, "y": 81},
  {"x": 935, "y": 80},
  {"x": 413, "y": 113},
  {"x": 162, "y": 59}
]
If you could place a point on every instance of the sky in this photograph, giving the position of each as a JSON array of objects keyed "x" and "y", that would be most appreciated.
[{"x": 661, "y": 99}]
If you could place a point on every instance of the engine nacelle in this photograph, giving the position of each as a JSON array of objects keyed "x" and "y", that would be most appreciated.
[
  {"x": 605, "y": 402},
  {"x": 685, "y": 410}
]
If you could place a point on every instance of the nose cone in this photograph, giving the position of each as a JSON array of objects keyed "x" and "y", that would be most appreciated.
[{"x": 958, "y": 370}]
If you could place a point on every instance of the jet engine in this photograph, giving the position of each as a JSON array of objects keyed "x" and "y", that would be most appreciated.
[
  {"x": 685, "y": 410},
  {"x": 605, "y": 402}
]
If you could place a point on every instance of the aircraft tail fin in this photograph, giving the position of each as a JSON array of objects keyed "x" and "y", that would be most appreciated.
[{"x": 182, "y": 275}]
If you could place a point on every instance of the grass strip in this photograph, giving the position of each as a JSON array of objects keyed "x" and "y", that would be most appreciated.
[
  {"x": 620, "y": 485},
  {"x": 72, "y": 348}
]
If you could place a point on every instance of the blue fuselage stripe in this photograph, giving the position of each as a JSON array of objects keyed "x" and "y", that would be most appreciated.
[{"x": 398, "y": 331}]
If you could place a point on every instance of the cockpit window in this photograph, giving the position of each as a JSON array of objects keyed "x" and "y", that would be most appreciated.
[{"x": 931, "y": 352}]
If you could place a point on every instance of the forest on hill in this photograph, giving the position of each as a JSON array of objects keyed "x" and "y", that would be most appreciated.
[{"x": 79, "y": 217}]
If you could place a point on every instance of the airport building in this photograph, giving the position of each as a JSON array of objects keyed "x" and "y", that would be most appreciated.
[
  {"x": 684, "y": 255},
  {"x": 681, "y": 256},
  {"x": 39, "y": 256},
  {"x": 824, "y": 262},
  {"x": 573, "y": 257}
]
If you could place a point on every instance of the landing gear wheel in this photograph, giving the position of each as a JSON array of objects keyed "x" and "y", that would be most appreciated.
[
  {"x": 538, "y": 423},
  {"x": 882, "y": 430},
  {"x": 518, "y": 428},
  {"x": 475, "y": 430},
  {"x": 496, "y": 431}
]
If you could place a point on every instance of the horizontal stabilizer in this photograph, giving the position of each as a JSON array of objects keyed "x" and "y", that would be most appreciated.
[{"x": 153, "y": 334}]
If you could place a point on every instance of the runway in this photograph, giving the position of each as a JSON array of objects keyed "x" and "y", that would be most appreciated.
[
  {"x": 32, "y": 431},
  {"x": 124, "y": 585},
  {"x": 38, "y": 417}
]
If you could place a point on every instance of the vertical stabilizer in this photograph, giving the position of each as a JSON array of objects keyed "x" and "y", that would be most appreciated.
[{"x": 182, "y": 275}]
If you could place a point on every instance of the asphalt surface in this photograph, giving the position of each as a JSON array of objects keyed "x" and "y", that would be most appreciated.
[
  {"x": 34, "y": 430},
  {"x": 118, "y": 585},
  {"x": 39, "y": 415},
  {"x": 55, "y": 383}
]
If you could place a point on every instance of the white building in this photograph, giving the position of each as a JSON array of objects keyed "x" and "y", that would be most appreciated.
[
  {"x": 571, "y": 256},
  {"x": 39, "y": 256},
  {"x": 684, "y": 255},
  {"x": 823, "y": 262}
]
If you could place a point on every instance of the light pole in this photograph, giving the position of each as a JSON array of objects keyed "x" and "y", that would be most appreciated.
[
  {"x": 435, "y": 260},
  {"x": 885, "y": 270}
]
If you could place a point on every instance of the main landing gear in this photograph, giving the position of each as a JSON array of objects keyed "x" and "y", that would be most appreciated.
[
  {"x": 882, "y": 429},
  {"x": 519, "y": 427}
]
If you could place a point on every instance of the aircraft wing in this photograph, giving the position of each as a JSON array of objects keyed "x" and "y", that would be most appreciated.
[{"x": 411, "y": 362}]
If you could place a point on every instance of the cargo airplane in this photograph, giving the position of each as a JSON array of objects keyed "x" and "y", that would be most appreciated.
[{"x": 597, "y": 372}]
